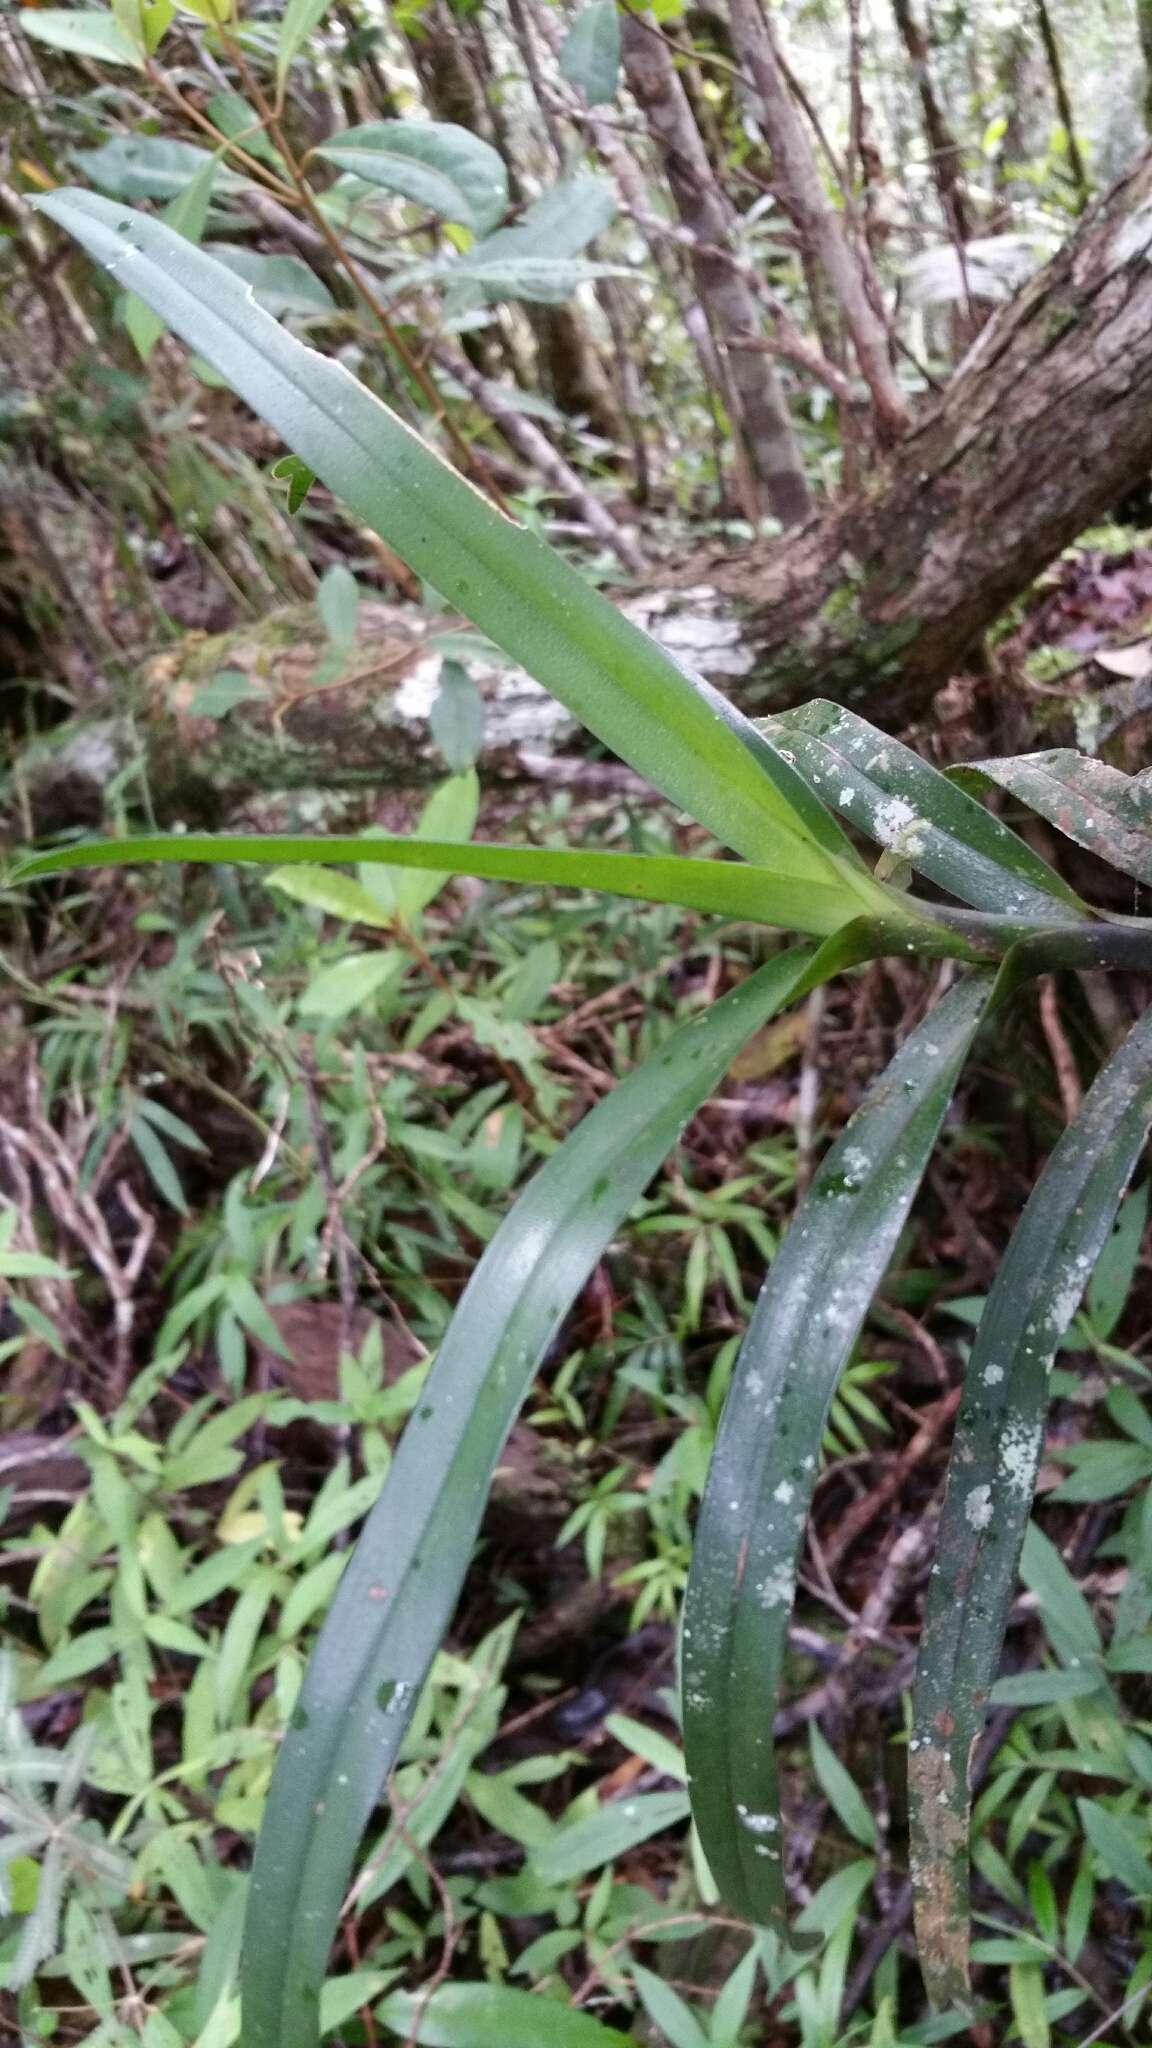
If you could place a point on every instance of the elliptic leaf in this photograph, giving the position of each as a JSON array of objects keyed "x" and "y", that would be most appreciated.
[
  {"x": 435, "y": 164},
  {"x": 281, "y": 284},
  {"x": 590, "y": 57},
  {"x": 82, "y": 34},
  {"x": 494, "y": 2016},
  {"x": 150, "y": 167}
]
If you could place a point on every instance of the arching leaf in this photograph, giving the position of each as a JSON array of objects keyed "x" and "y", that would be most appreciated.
[
  {"x": 396, "y": 1597},
  {"x": 764, "y": 1467},
  {"x": 999, "y": 1436}
]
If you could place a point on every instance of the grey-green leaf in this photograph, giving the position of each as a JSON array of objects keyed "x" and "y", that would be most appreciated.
[
  {"x": 281, "y": 284},
  {"x": 764, "y": 1467},
  {"x": 150, "y": 167},
  {"x": 999, "y": 1436},
  {"x": 1099, "y": 807},
  {"x": 560, "y": 223},
  {"x": 917, "y": 815},
  {"x": 81, "y": 33},
  {"x": 433, "y": 163},
  {"x": 590, "y": 57}
]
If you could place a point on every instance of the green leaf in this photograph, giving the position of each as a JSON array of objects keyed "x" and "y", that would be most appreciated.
[
  {"x": 397, "y": 1595},
  {"x": 228, "y": 688},
  {"x": 1099, "y": 807},
  {"x": 494, "y": 2016},
  {"x": 336, "y": 894},
  {"x": 1115, "y": 1271},
  {"x": 1121, "y": 1843},
  {"x": 145, "y": 22},
  {"x": 1102, "y": 1470},
  {"x": 457, "y": 717},
  {"x": 676, "y": 731},
  {"x": 77, "y": 1658},
  {"x": 841, "y": 1790},
  {"x": 298, "y": 477},
  {"x": 151, "y": 167},
  {"x": 82, "y": 34},
  {"x": 336, "y": 991},
  {"x": 237, "y": 118},
  {"x": 1067, "y": 1615},
  {"x": 729, "y": 888},
  {"x": 998, "y": 1441},
  {"x": 435, "y": 164},
  {"x": 768, "y": 1449},
  {"x": 282, "y": 284},
  {"x": 186, "y": 215},
  {"x": 618, "y": 1826},
  {"x": 837, "y": 1899},
  {"x": 648, "y": 1743},
  {"x": 674, "y": 2020},
  {"x": 1043, "y": 1688},
  {"x": 448, "y": 816},
  {"x": 301, "y": 19},
  {"x": 31, "y": 1266},
  {"x": 159, "y": 1165},
  {"x": 916, "y": 814},
  {"x": 1026, "y": 1995},
  {"x": 338, "y": 603},
  {"x": 590, "y": 57}
]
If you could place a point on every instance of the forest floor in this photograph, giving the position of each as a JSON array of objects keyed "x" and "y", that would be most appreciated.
[{"x": 247, "y": 1167}]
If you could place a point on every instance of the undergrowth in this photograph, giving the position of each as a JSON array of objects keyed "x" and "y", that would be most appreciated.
[{"x": 254, "y": 1150}]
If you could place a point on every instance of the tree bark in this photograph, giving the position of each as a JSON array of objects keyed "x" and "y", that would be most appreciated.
[{"x": 1046, "y": 425}]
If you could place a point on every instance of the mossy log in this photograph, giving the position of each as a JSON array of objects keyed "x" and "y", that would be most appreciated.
[{"x": 224, "y": 724}]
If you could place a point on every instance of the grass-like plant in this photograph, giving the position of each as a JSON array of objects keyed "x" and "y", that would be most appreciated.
[{"x": 770, "y": 794}]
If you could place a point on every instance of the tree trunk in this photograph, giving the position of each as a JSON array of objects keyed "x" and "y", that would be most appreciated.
[
  {"x": 1063, "y": 102},
  {"x": 760, "y": 415},
  {"x": 1047, "y": 423},
  {"x": 947, "y": 157},
  {"x": 819, "y": 224},
  {"x": 1144, "y": 30}
]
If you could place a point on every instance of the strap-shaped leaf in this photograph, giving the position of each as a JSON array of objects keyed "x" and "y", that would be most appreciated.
[
  {"x": 919, "y": 815},
  {"x": 678, "y": 732},
  {"x": 731, "y": 888},
  {"x": 999, "y": 1437},
  {"x": 396, "y": 1597},
  {"x": 765, "y": 1463},
  {"x": 1099, "y": 807}
]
